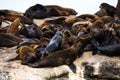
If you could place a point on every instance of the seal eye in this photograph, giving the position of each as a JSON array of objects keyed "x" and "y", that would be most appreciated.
[{"x": 44, "y": 29}]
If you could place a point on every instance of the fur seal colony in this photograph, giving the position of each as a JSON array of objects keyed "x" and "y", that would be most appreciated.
[
  {"x": 61, "y": 39},
  {"x": 97, "y": 26}
]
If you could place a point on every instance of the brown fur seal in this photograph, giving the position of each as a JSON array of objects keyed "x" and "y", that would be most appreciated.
[
  {"x": 13, "y": 28},
  {"x": 67, "y": 39},
  {"x": 108, "y": 10},
  {"x": 25, "y": 54},
  {"x": 36, "y": 11},
  {"x": 8, "y": 40},
  {"x": 61, "y": 57},
  {"x": 58, "y": 58},
  {"x": 109, "y": 50},
  {"x": 100, "y": 22},
  {"x": 9, "y": 15}
]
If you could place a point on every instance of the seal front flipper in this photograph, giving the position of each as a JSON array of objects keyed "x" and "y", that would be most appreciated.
[
  {"x": 12, "y": 59},
  {"x": 73, "y": 67},
  {"x": 32, "y": 65}
]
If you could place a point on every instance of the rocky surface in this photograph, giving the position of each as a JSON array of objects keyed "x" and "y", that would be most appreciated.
[{"x": 88, "y": 67}]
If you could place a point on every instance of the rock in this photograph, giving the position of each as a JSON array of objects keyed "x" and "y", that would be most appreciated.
[
  {"x": 98, "y": 67},
  {"x": 89, "y": 67}
]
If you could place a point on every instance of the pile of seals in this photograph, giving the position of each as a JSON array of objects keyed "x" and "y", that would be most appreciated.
[{"x": 62, "y": 39}]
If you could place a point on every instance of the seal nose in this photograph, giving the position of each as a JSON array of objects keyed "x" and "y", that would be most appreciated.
[{"x": 75, "y": 13}]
